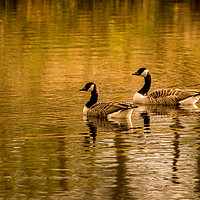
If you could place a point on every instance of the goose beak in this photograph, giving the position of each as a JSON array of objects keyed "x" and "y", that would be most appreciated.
[
  {"x": 136, "y": 73},
  {"x": 83, "y": 89}
]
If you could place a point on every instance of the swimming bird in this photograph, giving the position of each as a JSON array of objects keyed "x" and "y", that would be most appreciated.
[
  {"x": 163, "y": 96},
  {"x": 110, "y": 109}
]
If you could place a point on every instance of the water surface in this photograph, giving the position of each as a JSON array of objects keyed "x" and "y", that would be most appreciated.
[{"x": 49, "y": 50}]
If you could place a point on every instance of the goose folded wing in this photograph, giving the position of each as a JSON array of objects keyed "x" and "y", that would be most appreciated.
[
  {"x": 104, "y": 108},
  {"x": 117, "y": 106},
  {"x": 171, "y": 96},
  {"x": 188, "y": 93},
  {"x": 180, "y": 94}
]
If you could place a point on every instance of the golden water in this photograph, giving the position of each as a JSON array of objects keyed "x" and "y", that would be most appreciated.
[{"x": 48, "y": 51}]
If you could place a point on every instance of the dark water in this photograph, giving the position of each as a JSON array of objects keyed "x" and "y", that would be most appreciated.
[{"x": 48, "y": 51}]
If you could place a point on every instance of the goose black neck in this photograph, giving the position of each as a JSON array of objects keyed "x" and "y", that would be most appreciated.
[
  {"x": 144, "y": 90},
  {"x": 93, "y": 98}
]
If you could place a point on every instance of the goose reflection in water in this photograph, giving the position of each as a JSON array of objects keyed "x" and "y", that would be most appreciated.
[
  {"x": 115, "y": 125},
  {"x": 175, "y": 113},
  {"x": 103, "y": 125}
]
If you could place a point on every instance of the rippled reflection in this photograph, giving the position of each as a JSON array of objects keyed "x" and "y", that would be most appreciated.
[
  {"x": 104, "y": 125},
  {"x": 179, "y": 118},
  {"x": 49, "y": 49}
]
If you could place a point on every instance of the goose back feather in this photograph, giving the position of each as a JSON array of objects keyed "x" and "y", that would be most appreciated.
[
  {"x": 110, "y": 109},
  {"x": 171, "y": 96}
]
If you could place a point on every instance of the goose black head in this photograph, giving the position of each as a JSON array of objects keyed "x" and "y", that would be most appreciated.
[
  {"x": 89, "y": 87},
  {"x": 142, "y": 72}
]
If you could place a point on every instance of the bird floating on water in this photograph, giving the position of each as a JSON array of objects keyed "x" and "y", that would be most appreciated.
[
  {"x": 163, "y": 96},
  {"x": 110, "y": 109}
]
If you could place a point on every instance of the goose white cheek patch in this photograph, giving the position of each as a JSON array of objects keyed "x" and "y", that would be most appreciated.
[
  {"x": 144, "y": 73},
  {"x": 91, "y": 88}
]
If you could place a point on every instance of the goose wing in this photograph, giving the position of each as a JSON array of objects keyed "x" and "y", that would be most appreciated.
[
  {"x": 105, "y": 108},
  {"x": 171, "y": 96}
]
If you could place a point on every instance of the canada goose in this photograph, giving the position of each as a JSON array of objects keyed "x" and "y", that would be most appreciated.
[
  {"x": 163, "y": 96},
  {"x": 104, "y": 109}
]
